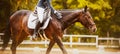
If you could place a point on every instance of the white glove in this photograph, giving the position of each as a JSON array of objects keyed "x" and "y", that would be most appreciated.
[{"x": 59, "y": 15}]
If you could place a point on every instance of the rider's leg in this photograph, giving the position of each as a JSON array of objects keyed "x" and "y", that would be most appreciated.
[{"x": 40, "y": 12}]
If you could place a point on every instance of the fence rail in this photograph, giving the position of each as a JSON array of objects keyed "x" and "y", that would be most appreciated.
[
  {"x": 71, "y": 42},
  {"x": 79, "y": 39},
  {"x": 111, "y": 42}
]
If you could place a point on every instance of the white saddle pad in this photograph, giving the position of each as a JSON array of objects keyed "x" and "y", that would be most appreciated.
[{"x": 32, "y": 21}]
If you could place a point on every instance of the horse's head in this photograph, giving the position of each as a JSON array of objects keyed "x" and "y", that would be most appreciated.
[{"x": 86, "y": 20}]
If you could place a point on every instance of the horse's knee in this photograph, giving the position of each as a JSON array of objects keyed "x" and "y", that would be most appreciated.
[{"x": 13, "y": 47}]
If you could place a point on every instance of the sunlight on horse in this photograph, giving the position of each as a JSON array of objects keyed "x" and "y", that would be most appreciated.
[{"x": 17, "y": 28}]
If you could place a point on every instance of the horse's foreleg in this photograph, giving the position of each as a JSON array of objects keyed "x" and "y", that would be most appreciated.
[
  {"x": 50, "y": 46},
  {"x": 13, "y": 47},
  {"x": 58, "y": 40}
]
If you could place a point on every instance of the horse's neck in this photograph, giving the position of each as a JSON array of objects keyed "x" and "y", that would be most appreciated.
[{"x": 70, "y": 19}]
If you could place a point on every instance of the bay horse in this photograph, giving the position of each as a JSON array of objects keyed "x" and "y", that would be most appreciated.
[{"x": 17, "y": 28}]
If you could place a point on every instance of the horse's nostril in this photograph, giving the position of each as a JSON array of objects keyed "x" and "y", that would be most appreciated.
[{"x": 95, "y": 29}]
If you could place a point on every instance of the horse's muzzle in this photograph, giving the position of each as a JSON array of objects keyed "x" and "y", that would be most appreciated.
[{"x": 93, "y": 28}]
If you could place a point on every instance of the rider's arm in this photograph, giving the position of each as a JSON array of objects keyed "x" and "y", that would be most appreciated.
[
  {"x": 54, "y": 11},
  {"x": 48, "y": 1}
]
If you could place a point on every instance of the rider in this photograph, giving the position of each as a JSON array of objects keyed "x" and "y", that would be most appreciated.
[{"x": 40, "y": 10}]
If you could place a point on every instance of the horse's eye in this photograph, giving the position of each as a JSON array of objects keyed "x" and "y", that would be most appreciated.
[{"x": 89, "y": 17}]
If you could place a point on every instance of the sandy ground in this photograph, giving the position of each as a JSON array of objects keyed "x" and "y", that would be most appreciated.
[{"x": 58, "y": 51}]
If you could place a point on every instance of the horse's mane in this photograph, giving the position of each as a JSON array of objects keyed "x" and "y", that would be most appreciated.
[{"x": 66, "y": 12}]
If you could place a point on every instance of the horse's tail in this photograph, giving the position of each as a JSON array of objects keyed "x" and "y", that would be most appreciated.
[{"x": 6, "y": 37}]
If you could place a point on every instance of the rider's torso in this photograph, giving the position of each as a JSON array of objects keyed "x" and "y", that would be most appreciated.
[{"x": 42, "y": 3}]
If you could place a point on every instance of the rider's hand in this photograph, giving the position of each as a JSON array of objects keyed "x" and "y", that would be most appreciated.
[{"x": 59, "y": 15}]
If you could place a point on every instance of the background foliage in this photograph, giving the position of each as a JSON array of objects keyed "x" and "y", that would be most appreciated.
[{"x": 106, "y": 14}]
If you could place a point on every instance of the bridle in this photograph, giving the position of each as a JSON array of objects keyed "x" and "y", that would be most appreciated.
[{"x": 87, "y": 22}]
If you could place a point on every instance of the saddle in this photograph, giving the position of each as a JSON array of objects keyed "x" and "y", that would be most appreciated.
[{"x": 47, "y": 17}]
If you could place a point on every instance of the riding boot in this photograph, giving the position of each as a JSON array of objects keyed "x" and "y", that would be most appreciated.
[{"x": 34, "y": 37}]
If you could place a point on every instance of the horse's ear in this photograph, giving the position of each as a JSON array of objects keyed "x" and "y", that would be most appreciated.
[{"x": 85, "y": 9}]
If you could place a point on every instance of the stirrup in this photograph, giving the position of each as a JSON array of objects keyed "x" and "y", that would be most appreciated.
[{"x": 34, "y": 38}]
